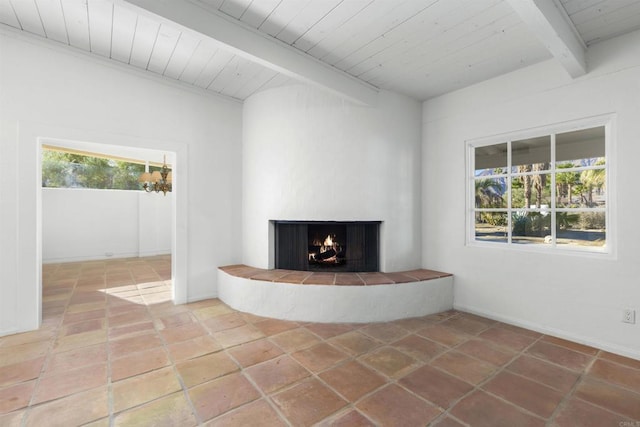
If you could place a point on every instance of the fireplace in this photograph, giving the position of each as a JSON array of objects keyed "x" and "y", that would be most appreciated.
[{"x": 331, "y": 246}]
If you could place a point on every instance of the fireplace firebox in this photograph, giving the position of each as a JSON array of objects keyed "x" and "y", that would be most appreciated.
[{"x": 332, "y": 246}]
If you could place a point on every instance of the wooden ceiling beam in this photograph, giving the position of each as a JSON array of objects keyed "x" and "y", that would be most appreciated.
[
  {"x": 548, "y": 20},
  {"x": 249, "y": 43}
]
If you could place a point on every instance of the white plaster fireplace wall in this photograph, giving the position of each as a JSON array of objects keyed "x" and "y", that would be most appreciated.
[{"x": 311, "y": 155}]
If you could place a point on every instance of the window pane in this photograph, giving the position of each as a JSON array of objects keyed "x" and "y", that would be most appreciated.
[
  {"x": 490, "y": 193},
  {"x": 585, "y": 189},
  {"x": 531, "y": 227},
  {"x": 531, "y": 191},
  {"x": 490, "y": 160},
  {"x": 491, "y": 227},
  {"x": 531, "y": 154},
  {"x": 581, "y": 229},
  {"x": 580, "y": 148}
]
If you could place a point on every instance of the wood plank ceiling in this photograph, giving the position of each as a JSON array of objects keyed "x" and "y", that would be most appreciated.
[{"x": 421, "y": 48}]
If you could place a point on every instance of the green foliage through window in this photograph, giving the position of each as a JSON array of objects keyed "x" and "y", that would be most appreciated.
[{"x": 69, "y": 170}]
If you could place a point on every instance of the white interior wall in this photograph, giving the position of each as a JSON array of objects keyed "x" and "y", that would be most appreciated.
[
  {"x": 311, "y": 155},
  {"x": 51, "y": 92},
  {"x": 577, "y": 297},
  {"x": 85, "y": 224}
]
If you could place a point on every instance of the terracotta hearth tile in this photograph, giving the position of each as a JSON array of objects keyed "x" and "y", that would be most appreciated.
[
  {"x": 172, "y": 410},
  {"x": 308, "y": 402},
  {"x": 530, "y": 395},
  {"x": 579, "y": 413},
  {"x": 375, "y": 279},
  {"x": 619, "y": 375},
  {"x": 423, "y": 274},
  {"x": 614, "y": 398},
  {"x": 132, "y": 316},
  {"x": 560, "y": 355},
  {"x": 482, "y": 410},
  {"x": 233, "y": 267},
  {"x": 348, "y": 279},
  {"x": 132, "y": 330},
  {"x": 182, "y": 333},
  {"x": 353, "y": 380},
  {"x": 255, "y": 352},
  {"x": 295, "y": 277},
  {"x": 414, "y": 323},
  {"x": 395, "y": 406},
  {"x": 173, "y": 320},
  {"x": 435, "y": 386},
  {"x": 320, "y": 279},
  {"x": 247, "y": 272},
  {"x": 544, "y": 372},
  {"x": 419, "y": 348},
  {"x": 255, "y": 413},
  {"x": 319, "y": 357},
  {"x": 399, "y": 277},
  {"x": 277, "y": 373},
  {"x": 467, "y": 368},
  {"x": 16, "y": 396},
  {"x": 270, "y": 275},
  {"x": 221, "y": 395}
]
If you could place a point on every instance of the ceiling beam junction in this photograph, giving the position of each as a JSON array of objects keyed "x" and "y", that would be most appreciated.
[
  {"x": 253, "y": 45},
  {"x": 550, "y": 23}
]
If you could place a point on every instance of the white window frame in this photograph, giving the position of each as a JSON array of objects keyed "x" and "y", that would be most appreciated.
[{"x": 606, "y": 251}]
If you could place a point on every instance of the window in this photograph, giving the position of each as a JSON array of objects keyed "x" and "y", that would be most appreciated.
[
  {"x": 541, "y": 190},
  {"x": 63, "y": 168}
]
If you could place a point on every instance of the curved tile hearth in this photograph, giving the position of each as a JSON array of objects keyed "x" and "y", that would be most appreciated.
[{"x": 335, "y": 297}]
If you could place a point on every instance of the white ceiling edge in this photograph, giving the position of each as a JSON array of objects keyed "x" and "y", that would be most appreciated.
[
  {"x": 253, "y": 45},
  {"x": 8, "y": 31},
  {"x": 548, "y": 20}
]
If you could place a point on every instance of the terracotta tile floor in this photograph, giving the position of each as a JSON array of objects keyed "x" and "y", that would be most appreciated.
[{"x": 113, "y": 350}]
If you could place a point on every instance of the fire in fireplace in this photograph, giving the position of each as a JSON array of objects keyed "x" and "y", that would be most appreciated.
[{"x": 327, "y": 246}]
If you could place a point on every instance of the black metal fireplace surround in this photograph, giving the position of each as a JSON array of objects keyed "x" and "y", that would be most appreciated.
[{"x": 332, "y": 246}]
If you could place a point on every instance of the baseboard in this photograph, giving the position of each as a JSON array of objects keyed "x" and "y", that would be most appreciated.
[
  {"x": 103, "y": 257},
  {"x": 623, "y": 351}
]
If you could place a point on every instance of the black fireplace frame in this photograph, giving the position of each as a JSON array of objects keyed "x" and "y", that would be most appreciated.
[{"x": 362, "y": 245}]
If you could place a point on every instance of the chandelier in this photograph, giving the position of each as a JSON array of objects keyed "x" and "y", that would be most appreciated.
[{"x": 157, "y": 180}]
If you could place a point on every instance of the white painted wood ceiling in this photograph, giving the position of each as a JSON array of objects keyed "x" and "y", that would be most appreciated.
[{"x": 422, "y": 48}]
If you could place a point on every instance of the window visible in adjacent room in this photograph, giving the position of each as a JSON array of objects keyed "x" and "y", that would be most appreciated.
[
  {"x": 64, "y": 168},
  {"x": 542, "y": 190}
]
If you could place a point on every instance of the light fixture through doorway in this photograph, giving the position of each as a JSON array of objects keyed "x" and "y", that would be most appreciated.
[{"x": 157, "y": 180}]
